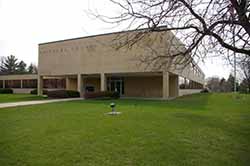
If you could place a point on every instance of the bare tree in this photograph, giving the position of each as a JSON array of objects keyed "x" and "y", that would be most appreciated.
[{"x": 217, "y": 27}]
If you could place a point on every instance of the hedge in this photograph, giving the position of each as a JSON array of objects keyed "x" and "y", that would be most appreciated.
[
  {"x": 6, "y": 91},
  {"x": 102, "y": 95},
  {"x": 34, "y": 92},
  {"x": 205, "y": 90},
  {"x": 63, "y": 94}
]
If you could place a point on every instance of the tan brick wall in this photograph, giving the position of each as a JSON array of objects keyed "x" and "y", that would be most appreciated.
[
  {"x": 71, "y": 83},
  {"x": 143, "y": 86},
  {"x": 93, "y": 82}
]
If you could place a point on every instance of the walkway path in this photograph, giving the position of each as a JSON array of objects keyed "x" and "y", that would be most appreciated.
[{"x": 25, "y": 103}]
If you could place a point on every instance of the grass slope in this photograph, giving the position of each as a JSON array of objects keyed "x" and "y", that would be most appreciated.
[
  {"x": 6, "y": 98},
  {"x": 202, "y": 130}
]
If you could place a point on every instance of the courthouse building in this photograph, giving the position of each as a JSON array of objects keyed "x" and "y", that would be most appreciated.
[{"x": 94, "y": 63}]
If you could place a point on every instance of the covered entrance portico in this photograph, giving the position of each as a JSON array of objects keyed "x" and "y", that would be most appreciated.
[{"x": 142, "y": 85}]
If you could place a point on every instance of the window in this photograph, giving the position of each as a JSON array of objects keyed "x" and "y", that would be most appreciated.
[
  {"x": 54, "y": 83},
  {"x": 1, "y": 83},
  {"x": 13, "y": 84},
  {"x": 185, "y": 83},
  {"x": 30, "y": 83}
]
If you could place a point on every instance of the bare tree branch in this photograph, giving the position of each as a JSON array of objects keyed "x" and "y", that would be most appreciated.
[{"x": 202, "y": 26}]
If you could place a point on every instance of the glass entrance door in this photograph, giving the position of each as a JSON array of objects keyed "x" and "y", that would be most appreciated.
[{"x": 116, "y": 84}]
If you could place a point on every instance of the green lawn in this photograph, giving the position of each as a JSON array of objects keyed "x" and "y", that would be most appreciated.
[
  {"x": 6, "y": 98},
  {"x": 198, "y": 130}
]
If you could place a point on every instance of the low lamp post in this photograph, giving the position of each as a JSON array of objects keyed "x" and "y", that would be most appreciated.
[
  {"x": 112, "y": 105},
  {"x": 113, "y": 112}
]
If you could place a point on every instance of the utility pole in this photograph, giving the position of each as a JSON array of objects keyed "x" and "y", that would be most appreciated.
[
  {"x": 234, "y": 53},
  {"x": 235, "y": 85}
]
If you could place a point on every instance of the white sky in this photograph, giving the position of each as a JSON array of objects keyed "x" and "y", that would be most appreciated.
[{"x": 26, "y": 23}]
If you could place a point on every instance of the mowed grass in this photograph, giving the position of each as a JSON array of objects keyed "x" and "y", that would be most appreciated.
[
  {"x": 197, "y": 130},
  {"x": 7, "y": 98}
]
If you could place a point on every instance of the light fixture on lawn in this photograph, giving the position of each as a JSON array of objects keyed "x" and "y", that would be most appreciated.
[{"x": 113, "y": 112}]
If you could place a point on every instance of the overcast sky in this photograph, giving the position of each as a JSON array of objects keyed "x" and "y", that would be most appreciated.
[{"x": 26, "y": 23}]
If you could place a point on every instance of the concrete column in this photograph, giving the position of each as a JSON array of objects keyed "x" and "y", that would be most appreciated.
[
  {"x": 3, "y": 84},
  {"x": 80, "y": 84},
  {"x": 173, "y": 86},
  {"x": 40, "y": 85},
  {"x": 103, "y": 82},
  {"x": 21, "y": 84},
  {"x": 165, "y": 85},
  {"x": 67, "y": 83},
  {"x": 191, "y": 85},
  {"x": 185, "y": 82},
  {"x": 177, "y": 85}
]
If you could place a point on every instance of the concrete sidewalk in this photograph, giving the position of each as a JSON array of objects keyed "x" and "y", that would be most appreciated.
[{"x": 26, "y": 103}]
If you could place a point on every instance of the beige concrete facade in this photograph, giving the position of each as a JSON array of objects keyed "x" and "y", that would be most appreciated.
[
  {"x": 150, "y": 86},
  {"x": 183, "y": 92},
  {"x": 71, "y": 83},
  {"x": 94, "y": 63},
  {"x": 98, "y": 55},
  {"x": 95, "y": 59}
]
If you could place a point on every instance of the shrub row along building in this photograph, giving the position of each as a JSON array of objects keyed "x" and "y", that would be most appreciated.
[{"x": 95, "y": 63}]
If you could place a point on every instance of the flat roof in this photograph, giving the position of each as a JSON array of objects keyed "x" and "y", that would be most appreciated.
[{"x": 104, "y": 34}]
